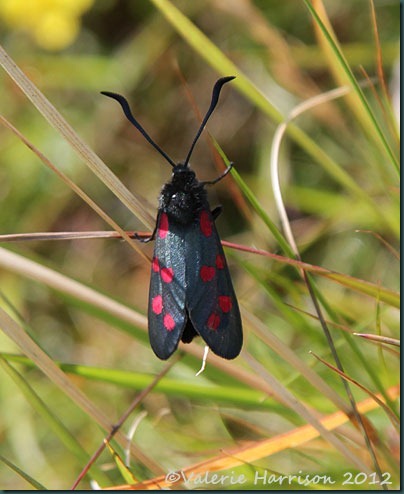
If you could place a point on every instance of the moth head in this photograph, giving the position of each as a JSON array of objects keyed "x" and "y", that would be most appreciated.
[{"x": 183, "y": 170}]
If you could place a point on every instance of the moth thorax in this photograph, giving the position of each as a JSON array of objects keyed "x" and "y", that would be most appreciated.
[{"x": 182, "y": 201}]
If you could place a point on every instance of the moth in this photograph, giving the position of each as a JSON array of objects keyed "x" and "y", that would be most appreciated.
[{"x": 191, "y": 293}]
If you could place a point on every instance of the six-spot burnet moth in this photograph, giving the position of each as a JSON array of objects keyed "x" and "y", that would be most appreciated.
[{"x": 191, "y": 292}]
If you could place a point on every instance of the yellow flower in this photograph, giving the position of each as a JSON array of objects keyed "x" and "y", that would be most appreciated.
[
  {"x": 54, "y": 24},
  {"x": 56, "y": 30}
]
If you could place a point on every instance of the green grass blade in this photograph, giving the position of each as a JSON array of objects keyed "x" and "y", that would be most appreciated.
[
  {"x": 226, "y": 395},
  {"x": 53, "y": 422},
  {"x": 372, "y": 123},
  {"x": 35, "y": 484}
]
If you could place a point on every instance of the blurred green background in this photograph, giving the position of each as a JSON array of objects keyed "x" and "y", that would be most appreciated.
[{"x": 72, "y": 50}]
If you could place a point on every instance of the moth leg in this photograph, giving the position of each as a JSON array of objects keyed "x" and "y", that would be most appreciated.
[
  {"x": 144, "y": 240},
  {"x": 215, "y": 212},
  {"x": 216, "y": 180},
  {"x": 148, "y": 239}
]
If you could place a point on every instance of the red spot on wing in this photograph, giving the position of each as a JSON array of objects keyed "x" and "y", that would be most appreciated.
[
  {"x": 155, "y": 265},
  {"x": 207, "y": 273},
  {"x": 167, "y": 275},
  {"x": 205, "y": 223},
  {"x": 213, "y": 321},
  {"x": 168, "y": 322},
  {"x": 163, "y": 226},
  {"x": 225, "y": 303},
  {"x": 157, "y": 304},
  {"x": 220, "y": 261}
]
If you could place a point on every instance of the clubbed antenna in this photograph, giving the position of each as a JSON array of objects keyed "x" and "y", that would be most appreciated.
[
  {"x": 215, "y": 98},
  {"x": 126, "y": 109}
]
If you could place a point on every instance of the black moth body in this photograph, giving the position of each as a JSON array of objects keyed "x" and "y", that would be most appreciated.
[{"x": 191, "y": 292}]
